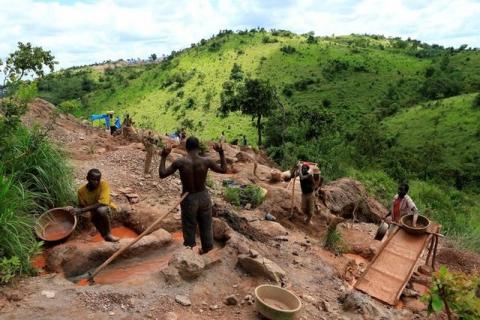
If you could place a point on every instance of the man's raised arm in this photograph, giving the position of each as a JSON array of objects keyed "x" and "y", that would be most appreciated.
[
  {"x": 222, "y": 168},
  {"x": 162, "y": 172}
]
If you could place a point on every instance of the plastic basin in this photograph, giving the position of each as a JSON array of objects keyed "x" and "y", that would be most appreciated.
[
  {"x": 276, "y": 303},
  {"x": 55, "y": 224}
]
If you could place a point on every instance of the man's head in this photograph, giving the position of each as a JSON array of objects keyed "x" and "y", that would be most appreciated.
[
  {"x": 403, "y": 189},
  {"x": 305, "y": 168},
  {"x": 93, "y": 178},
  {"x": 192, "y": 144}
]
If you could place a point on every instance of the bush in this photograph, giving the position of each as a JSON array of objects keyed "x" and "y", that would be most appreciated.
[
  {"x": 288, "y": 49},
  {"x": 476, "y": 101},
  {"x": 9, "y": 268},
  {"x": 70, "y": 106},
  {"x": 267, "y": 39},
  {"x": 240, "y": 196},
  {"x": 455, "y": 293}
]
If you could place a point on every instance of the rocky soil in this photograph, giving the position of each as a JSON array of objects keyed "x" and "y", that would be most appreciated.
[{"x": 160, "y": 279}]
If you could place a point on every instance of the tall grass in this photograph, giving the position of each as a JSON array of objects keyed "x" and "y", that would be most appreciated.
[
  {"x": 36, "y": 163},
  {"x": 16, "y": 236},
  {"x": 34, "y": 177}
]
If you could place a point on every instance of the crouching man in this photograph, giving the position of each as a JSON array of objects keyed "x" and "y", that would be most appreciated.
[{"x": 95, "y": 197}]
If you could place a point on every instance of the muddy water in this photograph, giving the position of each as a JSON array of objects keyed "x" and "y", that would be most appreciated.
[
  {"x": 57, "y": 231},
  {"x": 138, "y": 267},
  {"x": 276, "y": 304},
  {"x": 121, "y": 232}
]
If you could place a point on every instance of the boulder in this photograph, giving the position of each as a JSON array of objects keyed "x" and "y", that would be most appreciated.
[
  {"x": 358, "y": 302},
  {"x": 171, "y": 275},
  {"x": 183, "y": 300},
  {"x": 347, "y": 197},
  {"x": 77, "y": 257},
  {"x": 221, "y": 230},
  {"x": 363, "y": 250},
  {"x": 269, "y": 228},
  {"x": 260, "y": 266},
  {"x": 189, "y": 264}
]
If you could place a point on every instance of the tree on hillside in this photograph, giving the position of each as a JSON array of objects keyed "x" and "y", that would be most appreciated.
[
  {"x": 153, "y": 57},
  {"x": 26, "y": 59},
  {"x": 254, "y": 97}
]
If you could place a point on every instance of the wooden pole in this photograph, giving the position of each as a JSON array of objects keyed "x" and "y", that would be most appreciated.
[{"x": 147, "y": 231}]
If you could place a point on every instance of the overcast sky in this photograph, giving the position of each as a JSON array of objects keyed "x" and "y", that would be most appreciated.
[{"x": 87, "y": 31}]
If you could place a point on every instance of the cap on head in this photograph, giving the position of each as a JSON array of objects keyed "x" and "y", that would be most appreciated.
[{"x": 192, "y": 143}]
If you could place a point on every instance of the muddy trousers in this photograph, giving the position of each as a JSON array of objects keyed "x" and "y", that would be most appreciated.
[
  {"x": 308, "y": 205},
  {"x": 197, "y": 209},
  {"x": 101, "y": 220}
]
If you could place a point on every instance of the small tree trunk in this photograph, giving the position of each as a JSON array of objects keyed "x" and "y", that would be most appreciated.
[{"x": 259, "y": 128}]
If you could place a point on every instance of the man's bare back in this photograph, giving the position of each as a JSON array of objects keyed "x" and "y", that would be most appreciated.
[
  {"x": 196, "y": 208},
  {"x": 193, "y": 168}
]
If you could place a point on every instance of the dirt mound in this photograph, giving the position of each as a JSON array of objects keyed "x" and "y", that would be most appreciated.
[{"x": 459, "y": 261}]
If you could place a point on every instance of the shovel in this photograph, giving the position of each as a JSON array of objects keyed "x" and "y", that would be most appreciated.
[{"x": 90, "y": 275}]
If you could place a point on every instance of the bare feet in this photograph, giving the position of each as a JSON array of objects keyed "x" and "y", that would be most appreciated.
[{"x": 111, "y": 238}]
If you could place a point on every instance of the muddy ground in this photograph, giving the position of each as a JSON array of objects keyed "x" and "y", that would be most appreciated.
[{"x": 137, "y": 287}]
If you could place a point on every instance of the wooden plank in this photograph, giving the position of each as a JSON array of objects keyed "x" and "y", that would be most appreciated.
[{"x": 388, "y": 273}]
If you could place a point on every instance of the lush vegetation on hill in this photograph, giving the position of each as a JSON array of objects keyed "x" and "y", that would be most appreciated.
[{"x": 370, "y": 103}]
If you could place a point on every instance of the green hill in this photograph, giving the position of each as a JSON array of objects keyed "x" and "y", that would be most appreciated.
[
  {"x": 380, "y": 109},
  {"x": 443, "y": 137}
]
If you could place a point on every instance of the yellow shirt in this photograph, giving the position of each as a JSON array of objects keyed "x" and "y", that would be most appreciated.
[{"x": 99, "y": 195}]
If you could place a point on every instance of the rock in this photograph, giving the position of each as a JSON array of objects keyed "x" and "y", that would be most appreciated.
[
  {"x": 364, "y": 250},
  {"x": 183, "y": 300},
  {"x": 111, "y": 313},
  {"x": 261, "y": 266},
  {"x": 414, "y": 305},
  {"x": 171, "y": 275},
  {"x": 295, "y": 253},
  {"x": 248, "y": 206},
  {"x": 13, "y": 294},
  {"x": 360, "y": 303},
  {"x": 48, "y": 293},
  {"x": 74, "y": 258},
  {"x": 249, "y": 299},
  {"x": 253, "y": 253},
  {"x": 221, "y": 230},
  {"x": 325, "y": 306},
  {"x": 170, "y": 316},
  {"x": 308, "y": 298},
  {"x": 231, "y": 300},
  {"x": 410, "y": 293},
  {"x": 269, "y": 228},
  {"x": 425, "y": 270},
  {"x": 280, "y": 238},
  {"x": 343, "y": 196},
  {"x": 238, "y": 242},
  {"x": 189, "y": 264},
  {"x": 214, "y": 307}
]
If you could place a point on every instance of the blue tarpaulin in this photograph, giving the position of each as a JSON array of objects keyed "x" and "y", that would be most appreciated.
[{"x": 94, "y": 117}]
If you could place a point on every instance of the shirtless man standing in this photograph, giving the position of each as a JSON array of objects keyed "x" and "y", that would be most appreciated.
[{"x": 197, "y": 206}]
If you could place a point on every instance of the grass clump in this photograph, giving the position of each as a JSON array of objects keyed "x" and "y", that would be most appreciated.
[
  {"x": 241, "y": 196},
  {"x": 17, "y": 242},
  {"x": 334, "y": 241}
]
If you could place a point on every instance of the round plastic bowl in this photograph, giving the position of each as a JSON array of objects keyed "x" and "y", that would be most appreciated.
[
  {"x": 276, "y": 303},
  {"x": 55, "y": 224}
]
